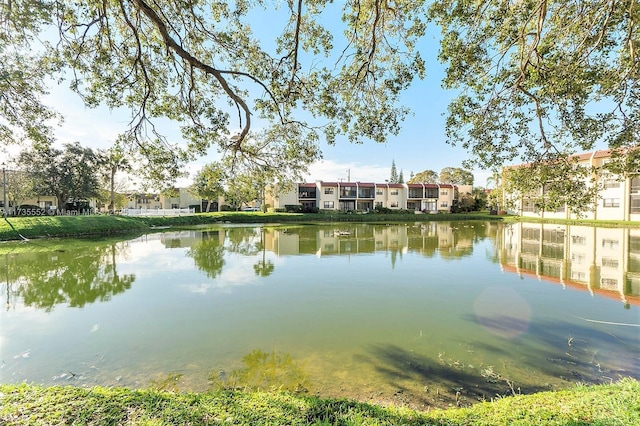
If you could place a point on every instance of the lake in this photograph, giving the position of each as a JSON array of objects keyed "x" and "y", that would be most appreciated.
[{"x": 420, "y": 314}]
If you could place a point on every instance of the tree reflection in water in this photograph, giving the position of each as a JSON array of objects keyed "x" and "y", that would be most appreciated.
[
  {"x": 208, "y": 253},
  {"x": 264, "y": 267},
  {"x": 45, "y": 278}
]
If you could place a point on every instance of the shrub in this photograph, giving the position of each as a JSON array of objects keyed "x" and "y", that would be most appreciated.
[{"x": 382, "y": 210}]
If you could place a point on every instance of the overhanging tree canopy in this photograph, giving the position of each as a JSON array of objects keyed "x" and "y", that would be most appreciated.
[
  {"x": 540, "y": 80},
  {"x": 537, "y": 79},
  {"x": 201, "y": 64}
]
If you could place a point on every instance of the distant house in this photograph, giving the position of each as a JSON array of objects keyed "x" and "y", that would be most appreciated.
[{"x": 180, "y": 199}]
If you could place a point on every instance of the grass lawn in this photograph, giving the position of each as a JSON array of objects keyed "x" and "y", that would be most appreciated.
[
  {"x": 16, "y": 228},
  {"x": 614, "y": 404}
]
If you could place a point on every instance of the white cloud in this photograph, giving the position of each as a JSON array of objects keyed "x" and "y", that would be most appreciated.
[{"x": 333, "y": 171}]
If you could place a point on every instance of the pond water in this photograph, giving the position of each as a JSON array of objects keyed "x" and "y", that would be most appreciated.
[{"x": 418, "y": 314}]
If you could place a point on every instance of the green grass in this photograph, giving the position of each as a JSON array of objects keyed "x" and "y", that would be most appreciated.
[
  {"x": 15, "y": 228},
  {"x": 614, "y": 404}
]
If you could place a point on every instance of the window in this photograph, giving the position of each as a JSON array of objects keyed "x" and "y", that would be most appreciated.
[
  {"x": 609, "y": 262},
  {"x": 394, "y": 204},
  {"x": 528, "y": 206},
  {"x": 578, "y": 258},
  {"x": 444, "y": 204},
  {"x": 611, "y": 183},
  {"x": 175, "y": 206},
  {"x": 611, "y": 202},
  {"x": 609, "y": 283},
  {"x": 328, "y": 204},
  {"x": 379, "y": 192},
  {"x": 578, "y": 240},
  {"x": 578, "y": 276},
  {"x": 394, "y": 192},
  {"x": 329, "y": 191},
  {"x": 378, "y": 203},
  {"x": 444, "y": 192},
  {"x": 634, "y": 206},
  {"x": 610, "y": 243}
]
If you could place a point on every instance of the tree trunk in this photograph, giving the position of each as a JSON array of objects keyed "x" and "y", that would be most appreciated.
[{"x": 113, "y": 196}]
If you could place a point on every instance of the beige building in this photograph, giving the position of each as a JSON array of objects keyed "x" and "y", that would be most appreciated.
[
  {"x": 181, "y": 200},
  {"x": 366, "y": 196},
  {"x": 617, "y": 200}
]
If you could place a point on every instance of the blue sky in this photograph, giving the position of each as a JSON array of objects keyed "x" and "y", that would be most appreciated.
[{"x": 420, "y": 145}]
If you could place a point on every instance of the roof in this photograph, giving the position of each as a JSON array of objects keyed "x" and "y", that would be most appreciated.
[{"x": 584, "y": 156}]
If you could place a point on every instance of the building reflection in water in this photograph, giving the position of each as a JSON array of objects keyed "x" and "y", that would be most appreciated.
[
  {"x": 604, "y": 261},
  {"x": 447, "y": 239}
]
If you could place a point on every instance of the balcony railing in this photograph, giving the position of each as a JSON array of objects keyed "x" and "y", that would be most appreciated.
[
  {"x": 432, "y": 192},
  {"x": 307, "y": 194}
]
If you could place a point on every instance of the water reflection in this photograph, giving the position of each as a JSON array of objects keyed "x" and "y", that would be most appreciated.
[
  {"x": 419, "y": 313},
  {"x": 448, "y": 239},
  {"x": 43, "y": 278},
  {"x": 603, "y": 261},
  {"x": 208, "y": 252}
]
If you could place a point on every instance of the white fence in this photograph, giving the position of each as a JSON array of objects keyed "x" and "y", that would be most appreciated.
[{"x": 158, "y": 212}]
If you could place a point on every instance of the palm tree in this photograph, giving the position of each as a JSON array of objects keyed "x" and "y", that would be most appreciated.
[
  {"x": 495, "y": 180},
  {"x": 114, "y": 159}
]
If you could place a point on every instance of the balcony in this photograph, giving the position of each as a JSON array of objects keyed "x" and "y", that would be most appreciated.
[
  {"x": 366, "y": 193},
  {"x": 415, "y": 193},
  {"x": 310, "y": 194},
  {"x": 348, "y": 192}
]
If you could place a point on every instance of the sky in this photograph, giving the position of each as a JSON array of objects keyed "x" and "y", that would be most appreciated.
[{"x": 420, "y": 145}]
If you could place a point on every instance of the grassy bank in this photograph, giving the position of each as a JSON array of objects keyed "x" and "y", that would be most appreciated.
[
  {"x": 15, "y": 228},
  {"x": 615, "y": 404},
  {"x": 585, "y": 222}
]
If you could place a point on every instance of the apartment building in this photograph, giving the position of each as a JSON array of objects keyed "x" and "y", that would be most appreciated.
[
  {"x": 365, "y": 196},
  {"x": 617, "y": 200}
]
